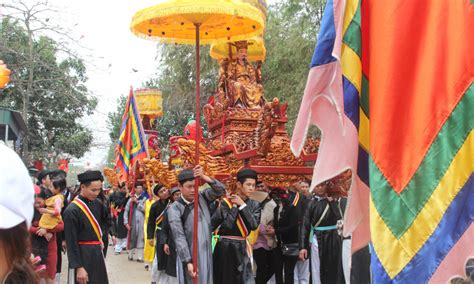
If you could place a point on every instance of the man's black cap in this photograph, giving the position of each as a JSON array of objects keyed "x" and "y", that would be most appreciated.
[
  {"x": 58, "y": 174},
  {"x": 185, "y": 175},
  {"x": 174, "y": 190},
  {"x": 90, "y": 176},
  {"x": 247, "y": 173},
  {"x": 43, "y": 174},
  {"x": 156, "y": 188}
]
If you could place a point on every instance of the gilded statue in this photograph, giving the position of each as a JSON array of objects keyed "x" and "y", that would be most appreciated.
[{"x": 242, "y": 80}]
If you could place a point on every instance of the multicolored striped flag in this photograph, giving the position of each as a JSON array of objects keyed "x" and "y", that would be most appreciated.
[
  {"x": 131, "y": 145},
  {"x": 417, "y": 60},
  {"x": 420, "y": 67}
]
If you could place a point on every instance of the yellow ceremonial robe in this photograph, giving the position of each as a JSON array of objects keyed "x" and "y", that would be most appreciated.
[{"x": 149, "y": 251}]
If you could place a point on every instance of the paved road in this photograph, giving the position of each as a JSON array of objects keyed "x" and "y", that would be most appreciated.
[{"x": 120, "y": 270}]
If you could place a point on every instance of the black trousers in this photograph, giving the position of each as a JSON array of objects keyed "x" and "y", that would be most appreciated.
[
  {"x": 289, "y": 263},
  {"x": 265, "y": 265},
  {"x": 284, "y": 263},
  {"x": 330, "y": 257},
  {"x": 360, "y": 270},
  {"x": 59, "y": 243}
]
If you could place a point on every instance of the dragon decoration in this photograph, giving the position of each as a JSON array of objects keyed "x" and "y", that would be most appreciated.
[
  {"x": 155, "y": 171},
  {"x": 111, "y": 176}
]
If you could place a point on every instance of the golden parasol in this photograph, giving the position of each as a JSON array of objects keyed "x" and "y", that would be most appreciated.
[
  {"x": 177, "y": 21},
  {"x": 198, "y": 22},
  {"x": 150, "y": 102},
  {"x": 256, "y": 50},
  {"x": 256, "y": 47}
]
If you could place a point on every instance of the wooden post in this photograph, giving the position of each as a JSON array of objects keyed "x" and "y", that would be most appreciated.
[{"x": 196, "y": 159}]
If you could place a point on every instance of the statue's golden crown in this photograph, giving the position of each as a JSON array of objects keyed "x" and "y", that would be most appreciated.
[{"x": 243, "y": 44}]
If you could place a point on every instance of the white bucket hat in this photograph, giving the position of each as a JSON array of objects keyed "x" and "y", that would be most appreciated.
[{"x": 16, "y": 190}]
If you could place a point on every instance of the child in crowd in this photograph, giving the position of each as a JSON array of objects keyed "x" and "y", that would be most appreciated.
[
  {"x": 39, "y": 244},
  {"x": 50, "y": 222},
  {"x": 51, "y": 215}
]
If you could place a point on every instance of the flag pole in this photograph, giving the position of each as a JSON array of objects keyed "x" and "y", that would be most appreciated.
[{"x": 196, "y": 153}]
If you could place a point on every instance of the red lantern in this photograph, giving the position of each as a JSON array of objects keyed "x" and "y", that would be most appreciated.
[
  {"x": 4, "y": 75},
  {"x": 190, "y": 130}
]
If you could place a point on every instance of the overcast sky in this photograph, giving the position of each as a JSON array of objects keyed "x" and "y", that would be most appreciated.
[
  {"x": 113, "y": 53},
  {"x": 103, "y": 28}
]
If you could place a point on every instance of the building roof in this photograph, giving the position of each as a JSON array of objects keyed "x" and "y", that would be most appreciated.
[{"x": 15, "y": 122}]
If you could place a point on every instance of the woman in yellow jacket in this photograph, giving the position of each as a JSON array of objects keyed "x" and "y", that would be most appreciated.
[{"x": 149, "y": 250}]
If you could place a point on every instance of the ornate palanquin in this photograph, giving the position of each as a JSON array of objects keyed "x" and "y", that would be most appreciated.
[{"x": 245, "y": 130}]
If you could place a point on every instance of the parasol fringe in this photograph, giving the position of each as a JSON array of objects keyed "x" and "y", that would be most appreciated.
[{"x": 191, "y": 41}]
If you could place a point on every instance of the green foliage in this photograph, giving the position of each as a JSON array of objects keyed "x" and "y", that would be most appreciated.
[
  {"x": 177, "y": 74},
  {"x": 49, "y": 89},
  {"x": 177, "y": 82},
  {"x": 75, "y": 141},
  {"x": 290, "y": 39}
]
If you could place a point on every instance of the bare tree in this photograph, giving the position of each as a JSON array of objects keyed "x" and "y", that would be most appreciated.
[{"x": 40, "y": 20}]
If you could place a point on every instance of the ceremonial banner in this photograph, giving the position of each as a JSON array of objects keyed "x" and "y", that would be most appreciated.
[
  {"x": 420, "y": 68},
  {"x": 131, "y": 145},
  {"x": 416, "y": 58}
]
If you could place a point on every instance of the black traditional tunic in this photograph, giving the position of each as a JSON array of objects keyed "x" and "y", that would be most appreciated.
[
  {"x": 232, "y": 263},
  {"x": 110, "y": 226},
  {"x": 286, "y": 221},
  {"x": 118, "y": 200},
  {"x": 166, "y": 237},
  {"x": 78, "y": 229},
  {"x": 155, "y": 226},
  {"x": 329, "y": 242}
]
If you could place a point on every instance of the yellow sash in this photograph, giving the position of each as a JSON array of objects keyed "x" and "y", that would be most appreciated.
[
  {"x": 239, "y": 221},
  {"x": 95, "y": 225},
  {"x": 160, "y": 218},
  {"x": 245, "y": 234},
  {"x": 297, "y": 198}
]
